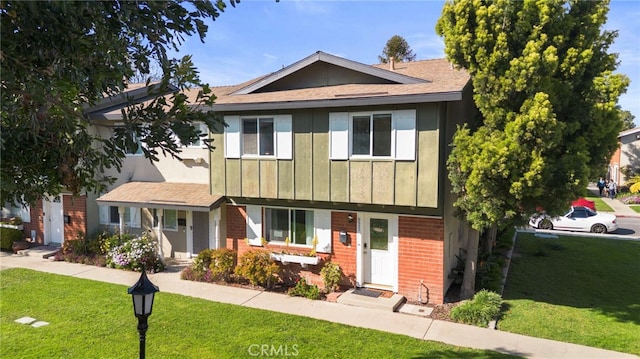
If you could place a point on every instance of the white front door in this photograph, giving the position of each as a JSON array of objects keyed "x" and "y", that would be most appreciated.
[
  {"x": 379, "y": 240},
  {"x": 53, "y": 220}
]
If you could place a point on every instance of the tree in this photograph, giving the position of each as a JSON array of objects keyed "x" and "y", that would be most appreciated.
[
  {"x": 61, "y": 57},
  {"x": 627, "y": 120},
  {"x": 398, "y": 48},
  {"x": 546, "y": 94}
]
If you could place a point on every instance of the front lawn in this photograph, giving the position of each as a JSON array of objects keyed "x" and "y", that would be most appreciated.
[
  {"x": 90, "y": 319},
  {"x": 580, "y": 290},
  {"x": 601, "y": 206},
  {"x": 635, "y": 208}
]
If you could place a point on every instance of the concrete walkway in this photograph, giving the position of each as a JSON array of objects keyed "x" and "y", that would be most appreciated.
[
  {"x": 394, "y": 322},
  {"x": 620, "y": 209}
]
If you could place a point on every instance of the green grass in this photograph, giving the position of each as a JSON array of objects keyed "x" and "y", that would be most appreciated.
[
  {"x": 91, "y": 319},
  {"x": 601, "y": 206},
  {"x": 575, "y": 289},
  {"x": 635, "y": 208}
]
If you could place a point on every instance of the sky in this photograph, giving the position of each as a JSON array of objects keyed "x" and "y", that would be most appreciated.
[{"x": 259, "y": 37}]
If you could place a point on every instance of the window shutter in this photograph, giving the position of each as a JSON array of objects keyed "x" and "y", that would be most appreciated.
[
  {"x": 405, "y": 128},
  {"x": 104, "y": 214},
  {"x": 232, "y": 137},
  {"x": 254, "y": 225},
  {"x": 339, "y": 135},
  {"x": 322, "y": 221},
  {"x": 284, "y": 149},
  {"x": 134, "y": 220}
]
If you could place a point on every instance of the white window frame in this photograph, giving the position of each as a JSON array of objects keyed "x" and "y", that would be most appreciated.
[
  {"x": 256, "y": 216},
  {"x": 290, "y": 225},
  {"x": 202, "y": 127},
  {"x": 403, "y": 135},
  {"x": 173, "y": 227},
  {"x": 282, "y": 140},
  {"x": 131, "y": 216},
  {"x": 371, "y": 135},
  {"x": 258, "y": 136},
  {"x": 17, "y": 210}
]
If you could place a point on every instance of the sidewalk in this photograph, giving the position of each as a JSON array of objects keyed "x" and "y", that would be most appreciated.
[
  {"x": 620, "y": 209},
  {"x": 394, "y": 322}
]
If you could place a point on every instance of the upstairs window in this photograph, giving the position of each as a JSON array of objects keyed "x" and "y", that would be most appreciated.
[
  {"x": 374, "y": 135},
  {"x": 258, "y": 136},
  {"x": 371, "y": 135}
]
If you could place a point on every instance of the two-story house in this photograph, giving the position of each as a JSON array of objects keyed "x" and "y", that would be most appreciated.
[
  {"x": 626, "y": 156},
  {"x": 348, "y": 160}
]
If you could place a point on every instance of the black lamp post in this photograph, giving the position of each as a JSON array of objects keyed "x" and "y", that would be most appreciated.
[{"x": 142, "y": 293}]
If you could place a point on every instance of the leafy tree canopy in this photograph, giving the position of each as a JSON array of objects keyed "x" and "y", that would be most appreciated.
[
  {"x": 398, "y": 48},
  {"x": 546, "y": 92},
  {"x": 59, "y": 58},
  {"x": 627, "y": 120}
]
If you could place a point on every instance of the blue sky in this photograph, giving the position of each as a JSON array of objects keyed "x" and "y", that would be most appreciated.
[{"x": 258, "y": 37}]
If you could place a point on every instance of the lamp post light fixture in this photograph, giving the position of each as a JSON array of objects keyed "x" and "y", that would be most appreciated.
[{"x": 142, "y": 294}]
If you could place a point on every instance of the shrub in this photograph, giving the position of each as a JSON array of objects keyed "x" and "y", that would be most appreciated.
[
  {"x": 136, "y": 254},
  {"x": 331, "y": 276},
  {"x": 223, "y": 262},
  {"x": 302, "y": 289},
  {"x": 8, "y": 236},
  {"x": 258, "y": 268},
  {"x": 483, "y": 308},
  {"x": 202, "y": 261}
]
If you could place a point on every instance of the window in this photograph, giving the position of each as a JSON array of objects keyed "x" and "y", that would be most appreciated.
[
  {"x": 258, "y": 136},
  {"x": 199, "y": 143},
  {"x": 109, "y": 215},
  {"x": 371, "y": 135},
  {"x": 17, "y": 210},
  {"x": 295, "y": 224},
  {"x": 135, "y": 146},
  {"x": 388, "y": 134},
  {"x": 169, "y": 219},
  {"x": 269, "y": 136}
]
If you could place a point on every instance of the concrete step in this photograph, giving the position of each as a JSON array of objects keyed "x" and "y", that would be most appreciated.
[{"x": 390, "y": 304}]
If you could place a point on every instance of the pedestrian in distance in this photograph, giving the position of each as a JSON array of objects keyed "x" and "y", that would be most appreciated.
[
  {"x": 601, "y": 185},
  {"x": 612, "y": 189}
]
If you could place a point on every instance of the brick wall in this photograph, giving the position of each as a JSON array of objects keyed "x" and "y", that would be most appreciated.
[
  {"x": 344, "y": 255},
  {"x": 421, "y": 257},
  {"x": 35, "y": 224},
  {"x": 76, "y": 208}
]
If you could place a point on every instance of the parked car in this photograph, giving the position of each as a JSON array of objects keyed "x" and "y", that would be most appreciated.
[{"x": 579, "y": 218}]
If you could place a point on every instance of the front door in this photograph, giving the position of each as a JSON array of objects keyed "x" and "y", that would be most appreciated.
[
  {"x": 54, "y": 220},
  {"x": 380, "y": 257},
  {"x": 200, "y": 232}
]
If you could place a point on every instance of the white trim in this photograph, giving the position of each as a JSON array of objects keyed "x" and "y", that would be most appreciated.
[
  {"x": 232, "y": 143},
  {"x": 322, "y": 227},
  {"x": 405, "y": 134},
  {"x": 254, "y": 225},
  {"x": 283, "y": 136},
  {"x": 339, "y": 139}
]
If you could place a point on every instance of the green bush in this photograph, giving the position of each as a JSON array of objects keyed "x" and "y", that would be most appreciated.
[
  {"x": 136, "y": 254},
  {"x": 202, "y": 261},
  {"x": 8, "y": 236},
  {"x": 258, "y": 268},
  {"x": 483, "y": 308},
  {"x": 331, "y": 276},
  {"x": 223, "y": 262},
  {"x": 302, "y": 289}
]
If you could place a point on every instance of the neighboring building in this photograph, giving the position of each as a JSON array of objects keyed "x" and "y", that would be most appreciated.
[
  {"x": 626, "y": 156},
  {"x": 350, "y": 159}
]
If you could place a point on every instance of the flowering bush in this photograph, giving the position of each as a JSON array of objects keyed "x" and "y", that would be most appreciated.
[
  {"x": 633, "y": 199},
  {"x": 136, "y": 254}
]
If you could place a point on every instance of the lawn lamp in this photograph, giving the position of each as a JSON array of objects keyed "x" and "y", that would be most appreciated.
[{"x": 142, "y": 293}]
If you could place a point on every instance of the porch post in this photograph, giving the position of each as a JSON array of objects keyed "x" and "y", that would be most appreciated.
[
  {"x": 214, "y": 231},
  {"x": 159, "y": 233},
  {"x": 359, "y": 252},
  {"x": 121, "y": 213},
  {"x": 189, "y": 234}
]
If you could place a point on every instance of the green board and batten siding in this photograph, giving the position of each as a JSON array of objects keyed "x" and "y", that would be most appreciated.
[{"x": 312, "y": 176}]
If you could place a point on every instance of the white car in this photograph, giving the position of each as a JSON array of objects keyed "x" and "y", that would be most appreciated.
[{"x": 581, "y": 219}]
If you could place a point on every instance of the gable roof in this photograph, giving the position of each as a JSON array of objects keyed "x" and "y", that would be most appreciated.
[
  {"x": 408, "y": 82},
  {"x": 329, "y": 59},
  {"x": 109, "y": 107}
]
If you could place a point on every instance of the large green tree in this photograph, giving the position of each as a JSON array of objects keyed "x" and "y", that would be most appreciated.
[
  {"x": 61, "y": 57},
  {"x": 398, "y": 48},
  {"x": 627, "y": 120},
  {"x": 546, "y": 93}
]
